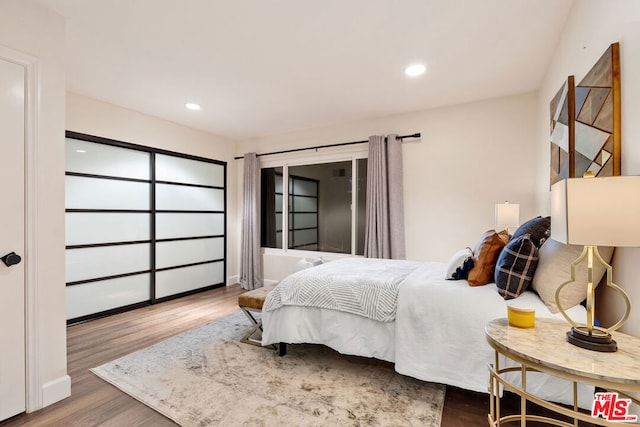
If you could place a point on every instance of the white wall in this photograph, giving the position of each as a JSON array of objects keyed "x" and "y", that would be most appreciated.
[
  {"x": 93, "y": 117},
  {"x": 470, "y": 157},
  {"x": 38, "y": 32},
  {"x": 592, "y": 26}
]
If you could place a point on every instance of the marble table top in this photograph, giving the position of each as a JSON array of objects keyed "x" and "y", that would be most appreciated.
[{"x": 545, "y": 346}]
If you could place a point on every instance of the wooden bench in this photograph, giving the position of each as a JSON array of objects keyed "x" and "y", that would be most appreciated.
[{"x": 251, "y": 302}]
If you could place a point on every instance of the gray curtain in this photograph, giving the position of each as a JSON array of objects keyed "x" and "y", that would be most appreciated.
[
  {"x": 251, "y": 258},
  {"x": 384, "y": 233}
]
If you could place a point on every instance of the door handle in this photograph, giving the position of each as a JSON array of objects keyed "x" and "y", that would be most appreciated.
[{"x": 11, "y": 259}]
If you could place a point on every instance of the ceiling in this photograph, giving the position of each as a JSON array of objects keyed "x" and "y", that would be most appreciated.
[{"x": 261, "y": 68}]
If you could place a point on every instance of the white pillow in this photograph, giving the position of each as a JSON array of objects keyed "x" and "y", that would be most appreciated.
[
  {"x": 301, "y": 265},
  {"x": 316, "y": 261},
  {"x": 307, "y": 263},
  {"x": 554, "y": 268},
  {"x": 458, "y": 261}
]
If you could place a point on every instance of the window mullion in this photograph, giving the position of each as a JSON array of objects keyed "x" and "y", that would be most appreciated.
[
  {"x": 285, "y": 207},
  {"x": 354, "y": 201}
]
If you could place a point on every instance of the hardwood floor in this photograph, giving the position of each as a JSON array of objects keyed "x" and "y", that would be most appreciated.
[{"x": 94, "y": 402}]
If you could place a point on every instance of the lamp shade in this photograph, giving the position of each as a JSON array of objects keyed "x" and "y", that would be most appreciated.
[
  {"x": 596, "y": 211},
  {"x": 507, "y": 215}
]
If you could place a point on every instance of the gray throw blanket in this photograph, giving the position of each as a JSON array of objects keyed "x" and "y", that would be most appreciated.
[{"x": 363, "y": 286}]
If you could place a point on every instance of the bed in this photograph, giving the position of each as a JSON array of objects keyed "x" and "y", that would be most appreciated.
[
  {"x": 435, "y": 333},
  {"x": 324, "y": 305}
]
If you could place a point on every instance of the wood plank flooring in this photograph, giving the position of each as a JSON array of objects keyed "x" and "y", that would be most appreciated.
[{"x": 94, "y": 402}]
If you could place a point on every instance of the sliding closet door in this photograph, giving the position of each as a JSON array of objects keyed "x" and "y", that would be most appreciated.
[
  {"x": 142, "y": 225},
  {"x": 108, "y": 227},
  {"x": 190, "y": 224}
]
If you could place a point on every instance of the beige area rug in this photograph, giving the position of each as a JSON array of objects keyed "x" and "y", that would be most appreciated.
[{"x": 205, "y": 377}]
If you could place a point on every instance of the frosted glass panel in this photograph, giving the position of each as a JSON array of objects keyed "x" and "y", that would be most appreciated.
[
  {"x": 278, "y": 183},
  {"x": 171, "y": 282},
  {"x": 91, "y": 263},
  {"x": 170, "y": 225},
  {"x": 307, "y": 204},
  {"x": 304, "y": 188},
  {"x": 105, "y": 232},
  {"x": 169, "y": 254},
  {"x": 304, "y": 237},
  {"x": 302, "y": 220},
  {"x": 95, "y": 297},
  {"x": 187, "y": 171},
  {"x": 98, "y": 193},
  {"x": 87, "y": 228},
  {"x": 99, "y": 159},
  {"x": 179, "y": 197}
]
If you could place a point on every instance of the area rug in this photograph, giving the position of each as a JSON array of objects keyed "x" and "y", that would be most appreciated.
[{"x": 205, "y": 377}]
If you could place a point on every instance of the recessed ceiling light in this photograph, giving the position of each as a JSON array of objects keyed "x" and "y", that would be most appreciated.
[
  {"x": 81, "y": 151},
  {"x": 415, "y": 70},
  {"x": 192, "y": 106}
]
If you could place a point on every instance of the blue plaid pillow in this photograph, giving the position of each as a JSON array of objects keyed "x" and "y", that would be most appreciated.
[
  {"x": 515, "y": 267},
  {"x": 538, "y": 229}
]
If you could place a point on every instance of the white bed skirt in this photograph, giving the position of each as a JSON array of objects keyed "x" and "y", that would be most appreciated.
[{"x": 344, "y": 332}]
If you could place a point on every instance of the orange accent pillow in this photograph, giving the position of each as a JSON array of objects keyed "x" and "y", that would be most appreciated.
[{"x": 485, "y": 257}]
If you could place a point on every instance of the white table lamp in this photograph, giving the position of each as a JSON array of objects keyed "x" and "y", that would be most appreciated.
[
  {"x": 595, "y": 212},
  {"x": 507, "y": 215}
]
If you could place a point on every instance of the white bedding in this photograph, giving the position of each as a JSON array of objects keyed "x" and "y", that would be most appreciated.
[
  {"x": 438, "y": 334},
  {"x": 344, "y": 332}
]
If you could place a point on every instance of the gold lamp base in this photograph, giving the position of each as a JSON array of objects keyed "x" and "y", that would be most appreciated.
[
  {"x": 596, "y": 340},
  {"x": 590, "y": 336}
]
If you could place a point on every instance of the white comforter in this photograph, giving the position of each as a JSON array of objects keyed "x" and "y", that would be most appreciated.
[{"x": 440, "y": 333}]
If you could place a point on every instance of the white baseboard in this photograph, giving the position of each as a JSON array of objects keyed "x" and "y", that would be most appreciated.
[
  {"x": 56, "y": 390},
  {"x": 268, "y": 282}
]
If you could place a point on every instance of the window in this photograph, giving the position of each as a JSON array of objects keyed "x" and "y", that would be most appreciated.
[{"x": 318, "y": 205}]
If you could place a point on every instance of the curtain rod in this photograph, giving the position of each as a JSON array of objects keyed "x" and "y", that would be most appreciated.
[{"x": 415, "y": 135}]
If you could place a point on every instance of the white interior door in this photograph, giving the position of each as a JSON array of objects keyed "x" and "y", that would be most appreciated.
[{"x": 12, "y": 231}]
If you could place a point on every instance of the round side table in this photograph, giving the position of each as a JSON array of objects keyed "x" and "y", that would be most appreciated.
[{"x": 544, "y": 348}]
